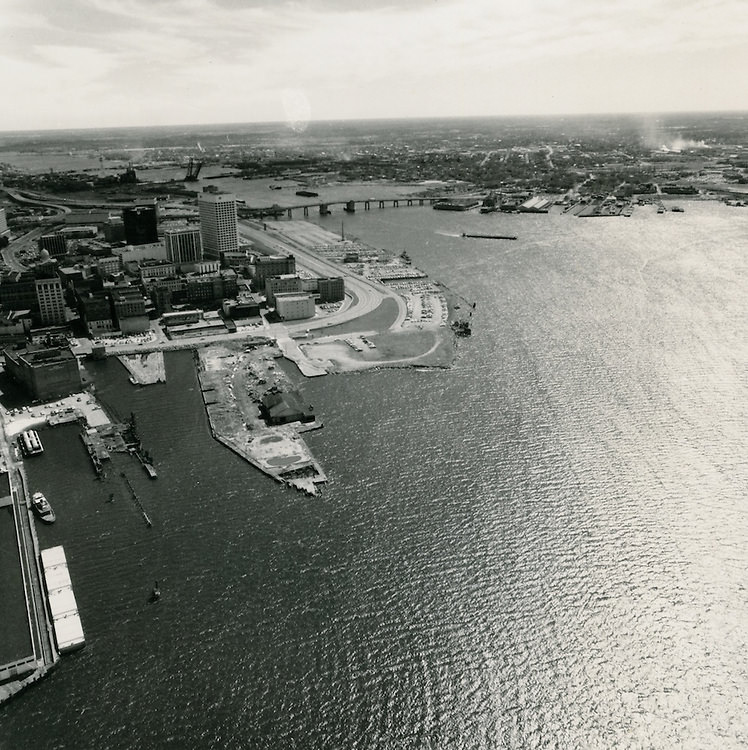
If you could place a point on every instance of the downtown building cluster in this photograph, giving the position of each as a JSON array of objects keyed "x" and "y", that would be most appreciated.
[{"x": 107, "y": 273}]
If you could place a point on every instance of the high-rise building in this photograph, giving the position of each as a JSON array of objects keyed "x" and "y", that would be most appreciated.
[
  {"x": 3, "y": 222},
  {"x": 183, "y": 246},
  {"x": 114, "y": 230},
  {"x": 218, "y": 224},
  {"x": 141, "y": 226},
  {"x": 55, "y": 244},
  {"x": 51, "y": 301}
]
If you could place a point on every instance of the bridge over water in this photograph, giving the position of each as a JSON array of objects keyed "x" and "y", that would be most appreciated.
[{"x": 350, "y": 205}]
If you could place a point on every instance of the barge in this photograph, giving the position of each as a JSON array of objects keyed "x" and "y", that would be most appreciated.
[
  {"x": 491, "y": 236},
  {"x": 66, "y": 622}
]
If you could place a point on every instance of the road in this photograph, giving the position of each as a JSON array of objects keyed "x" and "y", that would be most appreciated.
[
  {"x": 368, "y": 295},
  {"x": 10, "y": 253}
]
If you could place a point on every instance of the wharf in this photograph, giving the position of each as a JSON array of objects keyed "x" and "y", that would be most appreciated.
[
  {"x": 231, "y": 381},
  {"x": 42, "y": 655},
  {"x": 96, "y": 449},
  {"x": 64, "y": 416},
  {"x": 145, "y": 368},
  {"x": 279, "y": 452}
]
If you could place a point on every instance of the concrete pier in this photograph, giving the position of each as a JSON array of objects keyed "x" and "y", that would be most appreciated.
[
  {"x": 145, "y": 369},
  {"x": 231, "y": 381}
]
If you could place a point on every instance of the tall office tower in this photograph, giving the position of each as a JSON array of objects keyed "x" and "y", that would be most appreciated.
[
  {"x": 218, "y": 224},
  {"x": 183, "y": 246},
  {"x": 51, "y": 301},
  {"x": 3, "y": 222},
  {"x": 141, "y": 227},
  {"x": 55, "y": 244}
]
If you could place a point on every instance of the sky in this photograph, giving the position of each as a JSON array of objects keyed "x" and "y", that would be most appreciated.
[{"x": 108, "y": 63}]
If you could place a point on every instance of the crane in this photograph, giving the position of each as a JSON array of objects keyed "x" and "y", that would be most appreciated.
[{"x": 193, "y": 170}]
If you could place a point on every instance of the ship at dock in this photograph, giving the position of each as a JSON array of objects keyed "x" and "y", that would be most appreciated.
[
  {"x": 29, "y": 443},
  {"x": 42, "y": 508}
]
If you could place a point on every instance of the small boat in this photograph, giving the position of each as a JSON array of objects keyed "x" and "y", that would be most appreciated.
[
  {"x": 155, "y": 593},
  {"x": 42, "y": 508}
]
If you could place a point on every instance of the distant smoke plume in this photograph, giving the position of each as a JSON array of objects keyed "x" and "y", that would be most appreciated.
[
  {"x": 681, "y": 144},
  {"x": 655, "y": 137}
]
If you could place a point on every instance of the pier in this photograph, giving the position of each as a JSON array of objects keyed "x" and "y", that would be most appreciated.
[{"x": 230, "y": 385}]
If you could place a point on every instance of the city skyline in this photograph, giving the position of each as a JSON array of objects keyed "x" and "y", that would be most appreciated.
[{"x": 101, "y": 63}]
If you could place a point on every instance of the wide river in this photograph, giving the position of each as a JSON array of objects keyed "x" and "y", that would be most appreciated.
[{"x": 543, "y": 547}]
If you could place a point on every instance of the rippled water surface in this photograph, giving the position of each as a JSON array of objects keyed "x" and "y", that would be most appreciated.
[{"x": 544, "y": 546}]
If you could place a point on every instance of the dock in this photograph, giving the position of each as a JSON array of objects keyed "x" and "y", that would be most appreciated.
[
  {"x": 145, "y": 369},
  {"x": 232, "y": 382}
]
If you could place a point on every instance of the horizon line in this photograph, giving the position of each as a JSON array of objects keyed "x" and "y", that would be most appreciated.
[{"x": 412, "y": 118}]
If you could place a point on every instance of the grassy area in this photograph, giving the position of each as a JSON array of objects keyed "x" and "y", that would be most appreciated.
[{"x": 412, "y": 345}]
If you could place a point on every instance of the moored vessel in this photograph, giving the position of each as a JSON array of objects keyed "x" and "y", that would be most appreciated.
[
  {"x": 42, "y": 508},
  {"x": 30, "y": 444},
  {"x": 491, "y": 236}
]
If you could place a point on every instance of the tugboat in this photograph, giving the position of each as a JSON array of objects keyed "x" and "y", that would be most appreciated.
[{"x": 42, "y": 508}]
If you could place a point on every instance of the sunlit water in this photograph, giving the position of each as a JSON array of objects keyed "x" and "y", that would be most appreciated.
[{"x": 544, "y": 546}]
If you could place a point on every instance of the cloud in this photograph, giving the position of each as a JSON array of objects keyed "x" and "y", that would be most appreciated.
[{"x": 232, "y": 59}]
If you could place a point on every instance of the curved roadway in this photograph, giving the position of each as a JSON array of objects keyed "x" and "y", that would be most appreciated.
[
  {"x": 30, "y": 238},
  {"x": 369, "y": 294}
]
